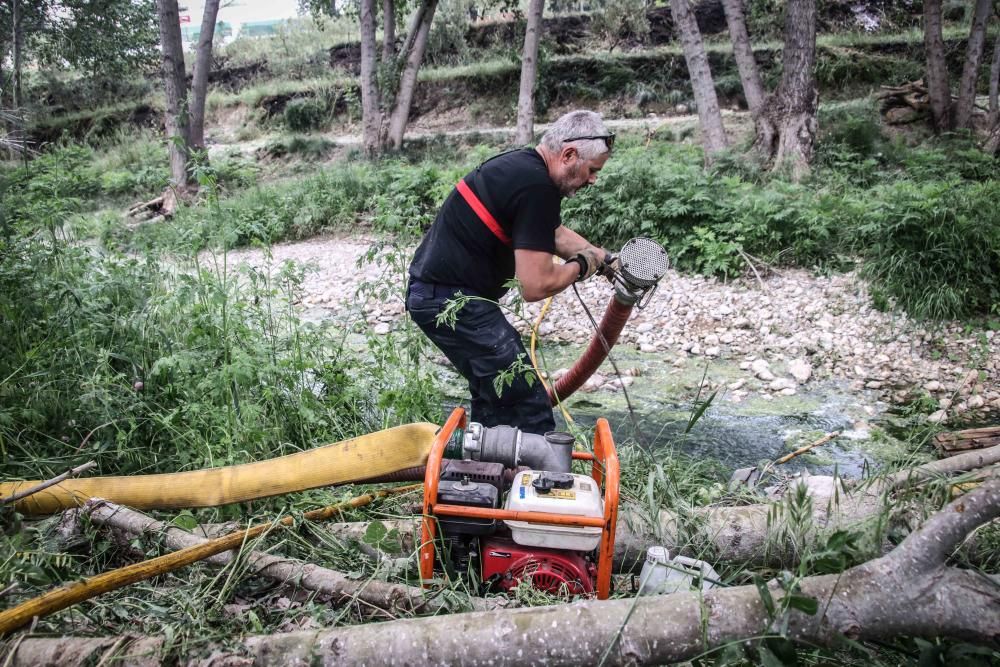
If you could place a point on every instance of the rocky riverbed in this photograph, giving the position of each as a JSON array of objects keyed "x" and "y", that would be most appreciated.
[{"x": 784, "y": 332}]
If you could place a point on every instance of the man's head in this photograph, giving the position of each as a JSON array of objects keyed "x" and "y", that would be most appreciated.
[{"x": 575, "y": 148}]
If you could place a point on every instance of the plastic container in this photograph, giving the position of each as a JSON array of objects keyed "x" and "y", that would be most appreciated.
[
  {"x": 662, "y": 575},
  {"x": 582, "y": 498}
]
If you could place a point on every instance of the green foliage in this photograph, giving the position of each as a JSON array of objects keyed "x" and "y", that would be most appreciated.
[
  {"x": 621, "y": 20},
  {"x": 303, "y": 114},
  {"x": 705, "y": 219},
  {"x": 446, "y": 44},
  {"x": 155, "y": 368},
  {"x": 934, "y": 248},
  {"x": 77, "y": 35}
]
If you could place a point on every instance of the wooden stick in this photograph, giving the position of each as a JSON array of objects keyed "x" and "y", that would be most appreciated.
[
  {"x": 802, "y": 450},
  {"x": 78, "y": 591},
  {"x": 72, "y": 472}
]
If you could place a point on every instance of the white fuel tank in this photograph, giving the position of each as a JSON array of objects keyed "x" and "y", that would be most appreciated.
[{"x": 555, "y": 493}]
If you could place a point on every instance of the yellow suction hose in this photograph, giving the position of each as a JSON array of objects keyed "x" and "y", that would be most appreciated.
[
  {"x": 534, "y": 361},
  {"x": 342, "y": 462}
]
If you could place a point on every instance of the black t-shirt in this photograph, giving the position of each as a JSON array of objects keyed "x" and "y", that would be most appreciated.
[{"x": 460, "y": 250}]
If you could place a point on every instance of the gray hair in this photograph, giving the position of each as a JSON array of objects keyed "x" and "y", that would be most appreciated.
[{"x": 577, "y": 124}]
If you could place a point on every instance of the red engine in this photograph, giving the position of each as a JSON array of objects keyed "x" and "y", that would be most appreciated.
[{"x": 558, "y": 572}]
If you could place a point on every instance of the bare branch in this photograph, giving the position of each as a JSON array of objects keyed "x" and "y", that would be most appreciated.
[
  {"x": 979, "y": 458},
  {"x": 72, "y": 472}
]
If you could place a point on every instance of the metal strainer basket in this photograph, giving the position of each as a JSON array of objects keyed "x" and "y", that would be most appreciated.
[{"x": 643, "y": 262}]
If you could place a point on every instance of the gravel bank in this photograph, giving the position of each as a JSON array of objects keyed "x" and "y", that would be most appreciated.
[{"x": 792, "y": 329}]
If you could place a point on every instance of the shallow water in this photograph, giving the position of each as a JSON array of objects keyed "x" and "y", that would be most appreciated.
[{"x": 740, "y": 440}]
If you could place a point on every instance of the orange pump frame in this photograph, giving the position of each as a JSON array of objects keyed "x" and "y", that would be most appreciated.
[{"x": 605, "y": 471}]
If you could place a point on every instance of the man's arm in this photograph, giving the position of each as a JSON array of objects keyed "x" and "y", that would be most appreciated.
[
  {"x": 539, "y": 277},
  {"x": 569, "y": 243}
]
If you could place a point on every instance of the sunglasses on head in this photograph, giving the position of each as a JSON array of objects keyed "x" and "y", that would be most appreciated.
[{"x": 609, "y": 139}]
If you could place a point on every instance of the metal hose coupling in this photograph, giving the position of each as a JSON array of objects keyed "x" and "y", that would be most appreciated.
[{"x": 552, "y": 452}]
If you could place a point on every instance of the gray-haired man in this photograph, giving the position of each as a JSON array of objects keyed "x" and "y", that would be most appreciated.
[{"x": 502, "y": 220}]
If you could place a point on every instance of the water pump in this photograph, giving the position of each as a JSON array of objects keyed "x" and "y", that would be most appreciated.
[{"x": 504, "y": 522}]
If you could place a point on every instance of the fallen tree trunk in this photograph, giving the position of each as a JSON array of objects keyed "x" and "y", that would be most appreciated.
[
  {"x": 373, "y": 593},
  {"x": 908, "y": 592}
]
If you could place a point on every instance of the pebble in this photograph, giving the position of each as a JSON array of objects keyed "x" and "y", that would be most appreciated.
[{"x": 800, "y": 369}]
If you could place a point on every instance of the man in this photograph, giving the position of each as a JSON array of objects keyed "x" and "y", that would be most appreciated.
[{"x": 502, "y": 221}]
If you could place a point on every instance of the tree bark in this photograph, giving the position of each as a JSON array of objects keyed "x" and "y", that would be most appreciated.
[
  {"x": 994, "y": 114},
  {"x": 411, "y": 31},
  {"x": 910, "y": 592},
  {"x": 786, "y": 126},
  {"x": 529, "y": 75},
  {"x": 408, "y": 81},
  {"x": 388, "y": 30},
  {"x": 371, "y": 114},
  {"x": 753, "y": 89},
  {"x": 202, "y": 66},
  {"x": 390, "y": 597},
  {"x": 937, "y": 69},
  {"x": 713, "y": 135},
  {"x": 15, "y": 22},
  {"x": 175, "y": 90},
  {"x": 970, "y": 71}
]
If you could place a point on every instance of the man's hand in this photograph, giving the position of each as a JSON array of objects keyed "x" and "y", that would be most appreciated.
[{"x": 610, "y": 266}]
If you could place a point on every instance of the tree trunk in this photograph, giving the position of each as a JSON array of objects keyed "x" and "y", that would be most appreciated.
[
  {"x": 970, "y": 71},
  {"x": 529, "y": 75},
  {"x": 713, "y": 135},
  {"x": 388, "y": 30},
  {"x": 408, "y": 81},
  {"x": 341, "y": 588},
  {"x": 995, "y": 84},
  {"x": 412, "y": 29},
  {"x": 753, "y": 89},
  {"x": 786, "y": 127},
  {"x": 371, "y": 114},
  {"x": 15, "y": 22},
  {"x": 937, "y": 69},
  {"x": 175, "y": 90},
  {"x": 910, "y": 592},
  {"x": 202, "y": 66}
]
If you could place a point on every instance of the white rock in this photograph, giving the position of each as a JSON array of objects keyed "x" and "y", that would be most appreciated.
[
  {"x": 933, "y": 385},
  {"x": 800, "y": 369},
  {"x": 737, "y": 384},
  {"x": 976, "y": 402},
  {"x": 695, "y": 349},
  {"x": 937, "y": 417},
  {"x": 712, "y": 351},
  {"x": 759, "y": 366},
  {"x": 788, "y": 391},
  {"x": 781, "y": 383},
  {"x": 381, "y": 329},
  {"x": 617, "y": 383},
  {"x": 647, "y": 347}
]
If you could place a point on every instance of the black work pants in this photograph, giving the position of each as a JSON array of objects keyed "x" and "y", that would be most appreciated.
[{"x": 482, "y": 344}]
